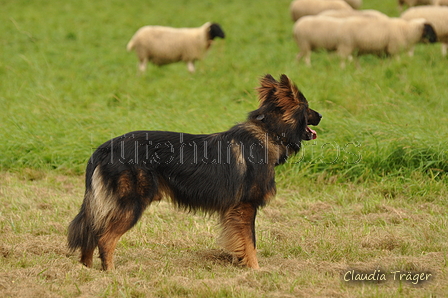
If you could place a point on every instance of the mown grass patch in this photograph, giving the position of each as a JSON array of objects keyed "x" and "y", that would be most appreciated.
[{"x": 308, "y": 239}]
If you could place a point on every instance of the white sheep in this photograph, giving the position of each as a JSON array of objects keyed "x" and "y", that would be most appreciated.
[
  {"x": 437, "y": 16},
  {"x": 353, "y": 13},
  {"x": 316, "y": 32},
  {"x": 411, "y": 3},
  {"x": 361, "y": 34},
  {"x": 301, "y": 8},
  {"x": 163, "y": 45}
]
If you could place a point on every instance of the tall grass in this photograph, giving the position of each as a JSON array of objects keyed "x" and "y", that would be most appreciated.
[{"x": 68, "y": 85}]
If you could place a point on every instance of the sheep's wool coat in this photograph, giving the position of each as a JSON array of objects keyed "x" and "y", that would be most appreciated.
[
  {"x": 368, "y": 35},
  {"x": 163, "y": 45}
]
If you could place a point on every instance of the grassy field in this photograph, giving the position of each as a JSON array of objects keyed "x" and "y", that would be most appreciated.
[{"x": 368, "y": 194}]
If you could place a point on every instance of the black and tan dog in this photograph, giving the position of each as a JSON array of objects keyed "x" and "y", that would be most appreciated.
[{"x": 230, "y": 173}]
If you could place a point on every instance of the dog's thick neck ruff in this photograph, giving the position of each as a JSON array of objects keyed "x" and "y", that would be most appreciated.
[{"x": 229, "y": 173}]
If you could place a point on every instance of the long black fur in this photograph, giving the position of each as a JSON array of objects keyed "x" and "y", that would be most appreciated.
[{"x": 228, "y": 173}]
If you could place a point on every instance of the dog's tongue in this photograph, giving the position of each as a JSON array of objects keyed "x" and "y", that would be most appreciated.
[{"x": 313, "y": 132}]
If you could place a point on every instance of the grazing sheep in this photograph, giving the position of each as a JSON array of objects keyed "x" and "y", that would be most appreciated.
[
  {"x": 353, "y": 13},
  {"x": 390, "y": 36},
  {"x": 361, "y": 34},
  {"x": 163, "y": 45},
  {"x": 437, "y": 16},
  {"x": 316, "y": 32},
  {"x": 301, "y": 8}
]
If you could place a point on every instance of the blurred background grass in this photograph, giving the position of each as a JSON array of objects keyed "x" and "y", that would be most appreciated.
[{"x": 67, "y": 85}]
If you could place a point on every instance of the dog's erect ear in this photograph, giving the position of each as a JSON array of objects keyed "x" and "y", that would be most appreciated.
[
  {"x": 268, "y": 85},
  {"x": 287, "y": 92},
  {"x": 289, "y": 98}
]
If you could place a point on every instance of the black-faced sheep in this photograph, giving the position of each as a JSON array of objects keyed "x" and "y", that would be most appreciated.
[
  {"x": 163, "y": 45},
  {"x": 437, "y": 16},
  {"x": 360, "y": 34},
  {"x": 301, "y": 8}
]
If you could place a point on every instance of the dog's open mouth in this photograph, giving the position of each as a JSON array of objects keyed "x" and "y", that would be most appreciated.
[{"x": 310, "y": 133}]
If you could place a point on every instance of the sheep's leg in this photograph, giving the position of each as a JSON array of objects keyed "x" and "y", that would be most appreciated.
[
  {"x": 343, "y": 60},
  {"x": 350, "y": 59},
  {"x": 444, "y": 48},
  {"x": 142, "y": 64},
  {"x": 308, "y": 58},
  {"x": 344, "y": 52},
  {"x": 411, "y": 52},
  {"x": 305, "y": 52},
  {"x": 190, "y": 65}
]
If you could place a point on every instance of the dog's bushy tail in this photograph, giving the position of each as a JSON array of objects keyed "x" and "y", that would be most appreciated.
[
  {"x": 95, "y": 214},
  {"x": 80, "y": 230}
]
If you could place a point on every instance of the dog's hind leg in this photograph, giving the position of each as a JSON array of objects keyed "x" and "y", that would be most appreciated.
[
  {"x": 134, "y": 192},
  {"x": 106, "y": 246},
  {"x": 108, "y": 240},
  {"x": 238, "y": 233}
]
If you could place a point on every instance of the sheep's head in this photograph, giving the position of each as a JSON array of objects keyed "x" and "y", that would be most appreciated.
[
  {"x": 215, "y": 31},
  {"x": 429, "y": 34}
]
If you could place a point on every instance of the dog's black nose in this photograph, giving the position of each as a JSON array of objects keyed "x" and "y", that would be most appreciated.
[{"x": 319, "y": 115}]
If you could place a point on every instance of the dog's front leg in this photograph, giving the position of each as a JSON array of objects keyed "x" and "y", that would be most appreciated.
[{"x": 238, "y": 233}]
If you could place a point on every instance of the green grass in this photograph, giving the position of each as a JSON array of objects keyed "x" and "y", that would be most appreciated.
[
  {"x": 369, "y": 193},
  {"x": 68, "y": 85}
]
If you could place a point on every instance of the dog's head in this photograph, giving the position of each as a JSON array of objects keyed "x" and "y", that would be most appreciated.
[{"x": 284, "y": 110}]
